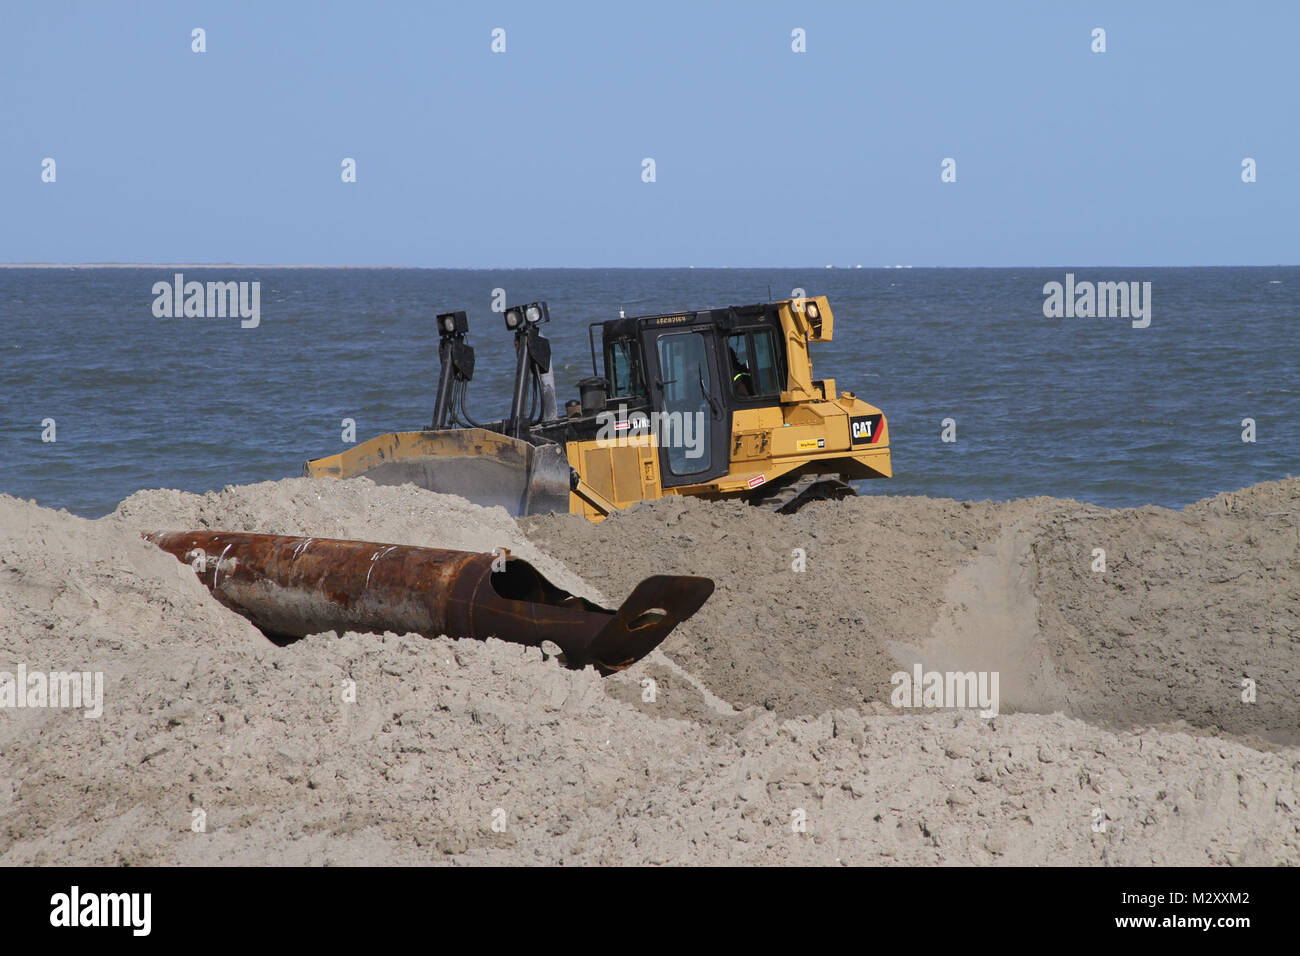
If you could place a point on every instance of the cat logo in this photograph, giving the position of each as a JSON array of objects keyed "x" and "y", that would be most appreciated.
[
  {"x": 865, "y": 429},
  {"x": 810, "y": 444}
]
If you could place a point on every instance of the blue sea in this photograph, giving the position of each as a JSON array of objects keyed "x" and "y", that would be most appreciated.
[{"x": 1087, "y": 408}]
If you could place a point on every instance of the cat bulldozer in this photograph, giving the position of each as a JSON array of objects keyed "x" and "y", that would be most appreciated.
[{"x": 718, "y": 404}]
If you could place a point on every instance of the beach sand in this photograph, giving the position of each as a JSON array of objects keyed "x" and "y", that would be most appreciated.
[{"x": 1122, "y": 736}]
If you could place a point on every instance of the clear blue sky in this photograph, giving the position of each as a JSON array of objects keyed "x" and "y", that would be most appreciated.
[{"x": 765, "y": 157}]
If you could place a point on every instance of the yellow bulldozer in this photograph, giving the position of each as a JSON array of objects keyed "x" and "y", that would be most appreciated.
[{"x": 718, "y": 403}]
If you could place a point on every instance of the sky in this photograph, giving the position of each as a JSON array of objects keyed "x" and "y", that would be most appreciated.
[{"x": 763, "y": 156}]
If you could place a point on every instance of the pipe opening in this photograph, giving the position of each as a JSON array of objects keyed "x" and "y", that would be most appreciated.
[
  {"x": 520, "y": 581},
  {"x": 647, "y": 618}
]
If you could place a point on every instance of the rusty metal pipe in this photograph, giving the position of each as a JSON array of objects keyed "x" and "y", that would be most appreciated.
[{"x": 291, "y": 587}]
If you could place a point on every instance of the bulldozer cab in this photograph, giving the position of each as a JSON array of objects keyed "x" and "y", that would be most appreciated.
[{"x": 692, "y": 371}]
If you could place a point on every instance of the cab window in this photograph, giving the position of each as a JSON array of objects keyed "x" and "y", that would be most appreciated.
[
  {"x": 753, "y": 371},
  {"x": 687, "y": 390},
  {"x": 624, "y": 370}
]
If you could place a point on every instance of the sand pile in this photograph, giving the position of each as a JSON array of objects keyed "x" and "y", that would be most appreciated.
[
  {"x": 1188, "y": 605},
  {"x": 769, "y": 707}
]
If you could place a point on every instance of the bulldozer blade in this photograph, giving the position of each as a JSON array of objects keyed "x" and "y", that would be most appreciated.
[
  {"x": 480, "y": 465},
  {"x": 290, "y": 587}
]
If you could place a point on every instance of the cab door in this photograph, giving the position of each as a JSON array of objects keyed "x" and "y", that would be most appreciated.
[{"x": 688, "y": 391}]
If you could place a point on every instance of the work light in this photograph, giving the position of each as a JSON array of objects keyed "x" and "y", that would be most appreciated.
[
  {"x": 531, "y": 314},
  {"x": 453, "y": 323}
]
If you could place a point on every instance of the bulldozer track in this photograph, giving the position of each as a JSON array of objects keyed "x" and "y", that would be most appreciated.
[{"x": 788, "y": 498}]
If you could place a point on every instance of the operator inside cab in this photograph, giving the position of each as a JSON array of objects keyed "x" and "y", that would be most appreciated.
[{"x": 742, "y": 383}]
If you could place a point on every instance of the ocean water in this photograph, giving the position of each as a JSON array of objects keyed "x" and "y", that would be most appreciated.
[{"x": 1087, "y": 408}]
